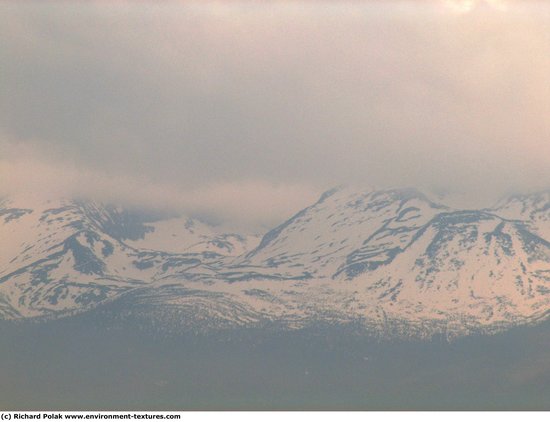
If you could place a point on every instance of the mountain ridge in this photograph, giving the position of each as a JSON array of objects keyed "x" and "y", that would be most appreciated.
[{"x": 391, "y": 257}]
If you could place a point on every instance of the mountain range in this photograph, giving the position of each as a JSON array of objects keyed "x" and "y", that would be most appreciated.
[{"x": 398, "y": 262}]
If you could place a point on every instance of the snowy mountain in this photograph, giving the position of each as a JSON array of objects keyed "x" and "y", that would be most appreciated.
[
  {"x": 396, "y": 261},
  {"x": 64, "y": 255}
]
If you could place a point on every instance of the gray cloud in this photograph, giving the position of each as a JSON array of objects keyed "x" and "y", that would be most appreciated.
[{"x": 191, "y": 95}]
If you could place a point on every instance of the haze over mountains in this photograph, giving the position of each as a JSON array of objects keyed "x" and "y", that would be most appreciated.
[{"x": 398, "y": 262}]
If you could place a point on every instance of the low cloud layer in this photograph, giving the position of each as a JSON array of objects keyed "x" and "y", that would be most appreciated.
[
  {"x": 248, "y": 110},
  {"x": 249, "y": 205}
]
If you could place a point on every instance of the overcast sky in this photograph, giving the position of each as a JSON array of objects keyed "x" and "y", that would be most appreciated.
[{"x": 248, "y": 110}]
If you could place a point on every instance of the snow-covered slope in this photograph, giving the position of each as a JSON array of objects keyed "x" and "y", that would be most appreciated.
[
  {"x": 534, "y": 209},
  {"x": 184, "y": 234},
  {"x": 345, "y": 232},
  {"x": 393, "y": 260}
]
